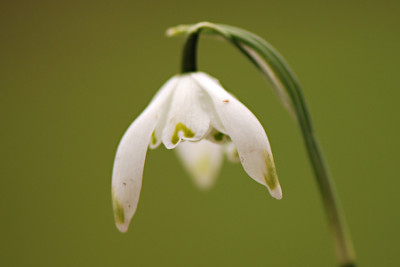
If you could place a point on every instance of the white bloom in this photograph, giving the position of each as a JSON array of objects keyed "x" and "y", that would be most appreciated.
[{"x": 191, "y": 107}]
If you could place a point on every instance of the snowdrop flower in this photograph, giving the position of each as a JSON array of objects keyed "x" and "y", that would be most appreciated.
[{"x": 195, "y": 114}]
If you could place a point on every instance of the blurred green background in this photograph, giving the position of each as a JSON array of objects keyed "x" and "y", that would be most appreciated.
[{"x": 75, "y": 74}]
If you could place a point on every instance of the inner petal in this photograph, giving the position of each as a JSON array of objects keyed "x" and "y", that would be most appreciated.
[
  {"x": 217, "y": 137},
  {"x": 165, "y": 93},
  {"x": 186, "y": 119}
]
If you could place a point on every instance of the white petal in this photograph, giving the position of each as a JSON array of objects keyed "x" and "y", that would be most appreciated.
[
  {"x": 202, "y": 160},
  {"x": 246, "y": 133},
  {"x": 166, "y": 93},
  {"x": 130, "y": 156},
  {"x": 186, "y": 119},
  {"x": 231, "y": 152}
]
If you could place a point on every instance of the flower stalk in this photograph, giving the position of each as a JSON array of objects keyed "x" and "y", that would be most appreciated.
[
  {"x": 284, "y": 83},
  {"x": 189, "y": 59}
]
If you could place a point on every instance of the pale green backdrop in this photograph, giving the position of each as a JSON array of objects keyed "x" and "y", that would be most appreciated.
[{"x": 74, "y": 74}]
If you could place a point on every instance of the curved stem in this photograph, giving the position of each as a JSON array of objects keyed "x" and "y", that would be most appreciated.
[{"x": 189, "y": 59}]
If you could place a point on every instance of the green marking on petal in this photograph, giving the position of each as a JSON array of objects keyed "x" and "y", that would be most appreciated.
[
  {"x": 186, "y": 132},
  {"x": 236, "y": 154},
  {"x": 271, "y": 177},
  {"x": 218, "y": 136},
  {"x": 153, "y": 138},
  {"x": 119, "y": 213}
]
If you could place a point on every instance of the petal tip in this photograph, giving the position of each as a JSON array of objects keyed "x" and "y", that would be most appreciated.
[
  {"x": 121, "y": 221},
  {"x": 119, "y": 214},
  {"x": 271, "y": 177},
  {"x": 122, "y": 227},
  {"x": 204, "y": 184},
  {"x": 276, "y": 192}
]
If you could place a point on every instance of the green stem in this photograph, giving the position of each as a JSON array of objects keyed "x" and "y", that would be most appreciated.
[{"x": 189, "y": 59}]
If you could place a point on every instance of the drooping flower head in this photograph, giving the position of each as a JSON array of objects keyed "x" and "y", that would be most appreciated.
[{"x": 193, "y": 113}]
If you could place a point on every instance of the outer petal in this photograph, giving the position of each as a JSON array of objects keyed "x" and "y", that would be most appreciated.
[
  {"x": 187, "y": 119},
  {"x": 246, "y": 133},
  {"x": 202, "y": 160},
  {"x": 130, "y": 156}
]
